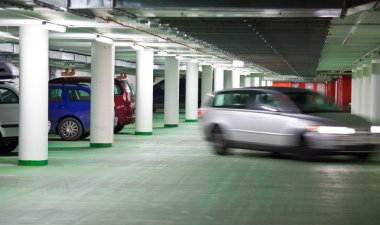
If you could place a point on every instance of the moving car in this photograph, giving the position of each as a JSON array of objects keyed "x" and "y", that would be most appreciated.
[
  {"x": 124, "y": 109},
  {"x": 286, "y": 120}
]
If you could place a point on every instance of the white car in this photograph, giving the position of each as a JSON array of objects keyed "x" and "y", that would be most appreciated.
[{"x": 9, "y": 113}]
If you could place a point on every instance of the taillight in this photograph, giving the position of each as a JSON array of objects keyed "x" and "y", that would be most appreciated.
[{"x": 201, "y": 111}]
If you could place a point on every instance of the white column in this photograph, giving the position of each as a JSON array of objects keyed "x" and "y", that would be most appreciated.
[
  {"x": 144, "y": 92},
  {"x": 171, "y": 98},
  {"x": 191, "y": 106},
  {"x": 375, "y": 90},
  {"x": 366, "y": 91},
  {"x": 358, "y": 99},
  {"x": 102, "y": 94},
  {"x": 34, "y": 77},
  {"x": 242, "y": 81},
  {"x": 235, "y": 79},
  {"x": 206, "y": 81},
  {"x": 353, "y": 91},
  {"x": 263, "y": 82},
  {"x": 269, "y": 83},
  {"x": 227, "y": 79},
  {"x": 247, "y": 81},
  {"x": 218, "y": 79}
]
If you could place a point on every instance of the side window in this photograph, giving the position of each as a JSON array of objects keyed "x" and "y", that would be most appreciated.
[
  {"x": 7, "y": 96},
  {"x": 55, "y": 95},
  {"x": 117, "y": 90},
  {"x": 231, "y": 100},
  {"x": 76, "y": 95},
  {"x": 272, "y": 102}
]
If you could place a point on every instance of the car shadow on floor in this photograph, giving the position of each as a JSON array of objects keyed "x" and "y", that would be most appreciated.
[{"x": 344, "y": 159}]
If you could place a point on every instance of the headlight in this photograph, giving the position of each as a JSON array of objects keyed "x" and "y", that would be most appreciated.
[
  {"x": 375, "y": 129},
  {"x": 332, "y": 130}
]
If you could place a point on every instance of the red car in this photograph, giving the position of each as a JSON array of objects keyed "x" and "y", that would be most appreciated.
[{"x": 124, "y": 109}]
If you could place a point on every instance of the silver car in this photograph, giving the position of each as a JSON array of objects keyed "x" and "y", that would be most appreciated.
[{"x": 287, "y": 120}]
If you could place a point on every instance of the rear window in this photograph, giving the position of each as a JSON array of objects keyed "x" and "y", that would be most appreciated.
[
  {"x": 231, "y": 100},
  {"x": 55, "y": 94},
  {"x": 7, "y": 96},
  {"x": 76, "y": 95}
]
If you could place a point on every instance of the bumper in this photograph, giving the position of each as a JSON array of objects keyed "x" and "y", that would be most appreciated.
[{"x": 360, "y": 142}]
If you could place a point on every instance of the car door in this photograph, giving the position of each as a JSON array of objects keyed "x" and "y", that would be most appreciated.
[
  {"x": 57, "y": 105},
  {"x": 265, "y": 123},
  {"x": 79, "y": 104},
  {"x": 9, "y": 112}
]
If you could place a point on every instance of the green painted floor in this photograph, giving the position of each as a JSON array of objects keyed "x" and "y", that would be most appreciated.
[{"x": 172, "y": 178}]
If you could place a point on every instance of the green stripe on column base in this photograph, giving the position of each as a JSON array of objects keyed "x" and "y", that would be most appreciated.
[
  {"x": 190, "y": 121},
  {"x": 143, "y": 133},
  {"x": 171, "y": 125},
  {"x": 32, "y": 162},
  {"x": 101, "y": 145}
]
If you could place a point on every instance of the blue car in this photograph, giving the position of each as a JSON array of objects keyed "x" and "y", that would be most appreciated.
[{"x": 69, "y": 111}]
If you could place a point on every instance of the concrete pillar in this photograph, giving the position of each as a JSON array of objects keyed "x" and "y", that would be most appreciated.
[
  {"x": 218, "y": 79},
  {"x": 144, "y": 92},
  {"x": 353, "y": 92},
  {"x": 263, "y": 82},
  {"x": 227, "y": 79},
  {"x": 102, "y": 94},
  {"x": 242, "y": 81},
  {"x": 247, "y": 81},
  {"x": 269, "y": 83},
  {"x": 206, "y": 81},
  {"x": 171, "y": 98},
  {"x": 34, "y": 77},
  {"x": 191, "y": 106},
  {"x": 359, "y": 79},
  {"x": 375, "y": 90},
  {"x": 235, "y": 79},
  {"x": 366, "y": 91}
]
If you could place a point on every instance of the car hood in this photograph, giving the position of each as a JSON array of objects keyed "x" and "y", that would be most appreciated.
[{"x": 337, "y": 119}]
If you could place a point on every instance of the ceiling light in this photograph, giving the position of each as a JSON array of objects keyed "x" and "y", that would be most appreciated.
[
  {"x": 193, "y": 60},
  {"x": 100, "y": 38},
  {"x": 137, "y": 47},
  {"x": 178, "y": 57},
  {"x": 8, "y": 35},
  {"x": 162, "y": 53},
  {"x": 54, "y": 27},
  {"x": 237, "y": 63}
]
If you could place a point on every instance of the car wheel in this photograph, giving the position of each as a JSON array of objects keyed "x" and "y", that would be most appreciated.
[
  {"x": 7, "y": 146},
  {"x": 218, "y": 142},
  {"x": 118, "y": 128},
  {"x": 363, "y": 155},
  {"x": 70, "y": 129},
  {"x": 304, "y": 151}
]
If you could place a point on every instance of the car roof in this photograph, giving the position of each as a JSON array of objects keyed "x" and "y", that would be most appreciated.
[
  {"x": 70, "y": 85},
  {"x": 72, "y": 79},
  {"x": 267, "y": 89}
]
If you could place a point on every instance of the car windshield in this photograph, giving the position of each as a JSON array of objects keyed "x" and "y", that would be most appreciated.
[{"x": 311, "y": 102}]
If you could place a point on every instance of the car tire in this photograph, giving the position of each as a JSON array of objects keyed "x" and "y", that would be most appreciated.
[
  {"x": 118, "y": 128},
  {"x": 70, "y": 129},
  {"x": 363, "y": 155},
  {"x": 304, "y": 151},
  {"x": 7, "y": 146},
  {"x": 218, "y": 142}
]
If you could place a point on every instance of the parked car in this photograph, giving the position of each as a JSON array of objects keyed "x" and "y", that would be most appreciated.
[
  {"x": 130, "y": 91},
  {"x": 159, "y": 93},
  {"x": 69, "y": 111},
  {"x": 9, "y": 117},
  {"x": 288, "y": 120},
  {"x": 124, "y": 109}
]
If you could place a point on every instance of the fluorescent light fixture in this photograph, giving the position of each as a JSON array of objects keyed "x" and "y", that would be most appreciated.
[
  {"x": 375, "y": 129},
  {"x": 137, "y": 47},
  {"x": 193, "y": 60},
  {"x": 178, "y": 57},
  {"x": 8, "y": 35},
  {"x": 123, "y": 44},
  {"x": 54, "y": 27},
  {"x": 237, "y": 63},
  {"x": 100, "y": 38},
  {"x": 162, "y": 53}
]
